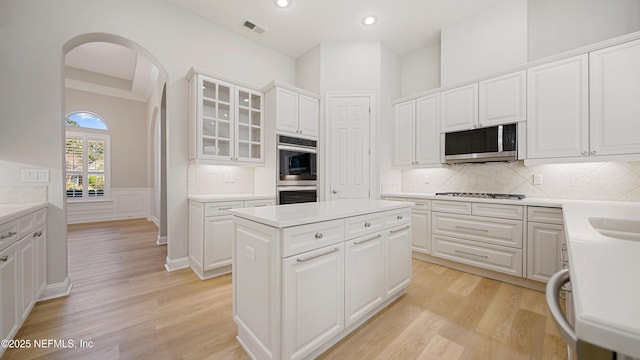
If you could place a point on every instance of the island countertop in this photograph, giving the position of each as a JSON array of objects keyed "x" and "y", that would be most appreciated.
[{"x": 283, "y": 216}]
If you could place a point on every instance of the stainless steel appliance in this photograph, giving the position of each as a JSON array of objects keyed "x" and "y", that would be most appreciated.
[
  {"x": 494, "y": 143},
  {"x": 483, "y": 195},
  {"x": 297, "y": 180}
]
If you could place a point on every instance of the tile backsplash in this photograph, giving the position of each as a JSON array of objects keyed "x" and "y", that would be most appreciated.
[
  {"x": 585, "y": 181},
  {"x": 23, "y": 194},
  {"x": 210, "y": 179}
]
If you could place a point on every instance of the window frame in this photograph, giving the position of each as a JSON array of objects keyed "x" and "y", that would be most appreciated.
[{"x": 86, "y": 135}]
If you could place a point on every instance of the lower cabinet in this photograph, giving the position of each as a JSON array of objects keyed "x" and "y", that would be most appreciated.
[
  {"x": 27, "y": 286},
  {"x": 545, "y": 239},
  {"x": 397, "y": 261},
  {"x": 421, "y": 231},
  {"x": 218, "y": 232},
  {"x": 312, "y": 299},
  {"x": 364, "y": 276},
  {"x": 9, "y": 290}
]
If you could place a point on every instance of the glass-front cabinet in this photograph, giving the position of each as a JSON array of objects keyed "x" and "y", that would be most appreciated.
[{"x": 226, "y": 121}]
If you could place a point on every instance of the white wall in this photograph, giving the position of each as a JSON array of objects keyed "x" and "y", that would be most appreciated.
[
  {"x": 308, "y": 70},
  {"x": 209, "y": 179},
  {"x": 175, "y": 38},
  {"x": 350, "y": 66},
  {"x": 421, "y": 70},
  {"x": 490, "y": 41},
  {"x": 556, "y": 26},
  {"x": 390, "y": 83}
]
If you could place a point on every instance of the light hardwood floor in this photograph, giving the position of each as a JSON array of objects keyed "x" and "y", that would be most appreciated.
[{"x": 130, "y": 307}]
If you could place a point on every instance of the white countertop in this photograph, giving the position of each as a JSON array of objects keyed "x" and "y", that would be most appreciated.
[
  {"x": 230, "y": 197},
  {"x": 526, "y": 201},
  {"x": 299, "y": 214},
  {"x": 605, "y": 276},
  {"x": 9, "y": 212}
]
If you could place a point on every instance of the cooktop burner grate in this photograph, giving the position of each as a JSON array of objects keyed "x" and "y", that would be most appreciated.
[{"x": 484, "y": 195}]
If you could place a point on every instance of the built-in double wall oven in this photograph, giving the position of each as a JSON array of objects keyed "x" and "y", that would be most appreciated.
[{"x": 297, "y": 166}]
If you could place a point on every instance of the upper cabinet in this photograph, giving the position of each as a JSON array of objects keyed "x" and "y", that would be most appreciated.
[
  {"x": 496, "y": 101},
  {"x": 586, "y": 106},
  {"x": 296, "y": 112},
  {"x": 416, "y": 135},
  {"x": 226, "y": 122}
]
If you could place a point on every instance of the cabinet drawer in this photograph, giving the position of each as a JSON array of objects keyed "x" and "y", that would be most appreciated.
[
  {"x": 220, "y": 208},
  {"x": 421, "y": 204},
  {"x": 8, "y": 234},
  {"x": 393, "y": 198},
  {"x": 364, "y": 224},
  {"x": 491, "y": 257},
  {"x": 26, "y": 225},
  {"x": 397, "y": 217},
  {"x": 40, "y": 217},
  {"x": 487, "y": 230},
  {"x": 545, "y": 215},
  {"x": 454, "y": 207},
  {"x": 298, "y": 239},
  {"x": 259, "y": 203},
  {"x": 498, "y": 210}
]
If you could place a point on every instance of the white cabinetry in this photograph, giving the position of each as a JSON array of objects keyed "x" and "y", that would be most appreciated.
[
  {"x": 27, "y": 267},
  {"x": 397, "y": 259},
  {"x": 363, "y": 276},
  {"x": 416, "y": 134},
  {"x": 420, "y": 223},
  {"x": 210, "y": 234},
  {"x": 545, "y": 239},
  {"x": 10, "y": 286},
  {"x": 495, "y": 101},
  {"x": 295, "y": 111},
  {"x": 226, "y": 121}
]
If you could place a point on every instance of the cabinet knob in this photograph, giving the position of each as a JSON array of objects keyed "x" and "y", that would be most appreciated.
[
  {"x": 584, "y": 153},
  {"x": 334, "y": 191},
  {"x": 399, "y": 217},
  {"x": 4, "y": 258},
  {"x": 593, "y": 152},
  {"x": 319, "y": 236},
  {"x": 367, "y": 224}
]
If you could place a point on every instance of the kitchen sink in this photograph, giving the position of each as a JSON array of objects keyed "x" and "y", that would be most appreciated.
[{"x": 616, "y": 228}]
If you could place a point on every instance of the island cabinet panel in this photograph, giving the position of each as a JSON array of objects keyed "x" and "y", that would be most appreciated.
[{"x": 299, "y": 286}]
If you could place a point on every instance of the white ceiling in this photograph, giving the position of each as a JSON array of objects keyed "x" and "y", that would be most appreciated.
[{"x": 403, "y": 25}]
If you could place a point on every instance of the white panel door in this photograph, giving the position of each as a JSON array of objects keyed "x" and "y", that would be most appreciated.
[
  {"x": 421, "y": 231},
  {"x": 312, "y": 299},
  {"x": 459, "y": 108},
  {"x": 543, "y": 250},
  {"x": 503, "y": 99},
  {"x": 558, "y": 109},
  {"x": 308, "y": 115},
  {"x": 404, "y": 120},
  {"x": 363, "y": 276},
  {"x": 427, "y": 133},
  {"x": 40, "y": 243},
  {"x": 27, "y": 265},
  {"x": 286, "y": 110},
  {"x": 9, "y": 294},
  {"x": 397, "y": 261},
  {"x": 349, "y": 149},
  {"x": 218, "y": 234},
  {"x": 615, "y": 100}
]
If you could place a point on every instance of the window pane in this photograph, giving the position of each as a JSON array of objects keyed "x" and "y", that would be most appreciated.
[
  {"x": 95, "y": 155},
  {"x": 74, "y": 186},
  {"x": 73, "y": 154},
  {"x": 85, "y": 120},
  {"x": 96, "y": 185}
]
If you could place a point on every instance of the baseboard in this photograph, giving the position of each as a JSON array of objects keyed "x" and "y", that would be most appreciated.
[
  {"x": 154, "y": 220},
  {"x": 176, "y": 264},
  {"x": 61, "y": 289},
  {"x": 162, "y": 240}
]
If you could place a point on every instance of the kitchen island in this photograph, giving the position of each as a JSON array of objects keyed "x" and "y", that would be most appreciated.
[{"x": 306, "y": 275}]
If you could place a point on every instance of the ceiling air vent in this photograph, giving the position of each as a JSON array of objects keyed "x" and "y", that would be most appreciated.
[{"x": 258, "y": 29}]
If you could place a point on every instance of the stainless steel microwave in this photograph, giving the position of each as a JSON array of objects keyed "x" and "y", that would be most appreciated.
[{"x": 494, "y": 143}]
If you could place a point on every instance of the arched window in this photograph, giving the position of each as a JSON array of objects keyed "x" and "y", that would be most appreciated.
[{"x": 86, "y": 157}]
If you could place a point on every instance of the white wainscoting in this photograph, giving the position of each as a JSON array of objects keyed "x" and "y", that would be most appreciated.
[{"x": 125, "y": 203}]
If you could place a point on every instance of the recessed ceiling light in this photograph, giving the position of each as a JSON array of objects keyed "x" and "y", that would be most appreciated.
[
  {"x": 283, "y": 3},
  {"x": 369, "y": 20}
]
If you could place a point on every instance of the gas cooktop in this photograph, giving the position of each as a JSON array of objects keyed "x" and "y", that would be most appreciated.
[{"x": 484, "y": 195}]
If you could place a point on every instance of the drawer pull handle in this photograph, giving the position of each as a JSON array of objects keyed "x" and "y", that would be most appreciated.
[
  {"x": 472, "y": 254},
  {"x": 319, "y": 236},
  {"x": 318, "y": 255},
  {"x": 366, "y": 240},
  {"x": 367, "y": 224},
  {"x": 261, "y": 205},
  {"x": 563, "y": 253},
  {"x": 37, "y": 234},
  {"x": 470, "y": 228},
  {"x": 4, "y": 258},
  {"x": 399, "y": 217},
  {"x": 398, "y": 230},
  {"x": 225, "y": 208},
  {"x": 8, "y": 235}
]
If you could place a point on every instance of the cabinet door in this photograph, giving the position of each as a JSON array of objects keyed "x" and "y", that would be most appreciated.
[
  {"x": 503, "y": 99},
  {"x": 397, "y": 261},
  {"x": 26, "y": 263},
  {"x": 249, "y": 129},
  {"x": 615, "y": 100},
  {"x": 40, "y": 244},
  {"x": 543, "y": 250},
  {"x": 427, "y": 130},
  {"x": 404, "y": 120},
  {"x": 363, "y": 276},
  {"x": 308, "y": 115},
  {"x": 421, "y": 231},
  {"x": 312, "y": 299},
  {"x": 286, "y": 110},
  {"x": 558, "y": 109},
  {"x": 214, "y": 119},
  {"x": 459, "y": 108},
  {"x": 217, "y": 241},
  {"x": 9, "y": 286}
]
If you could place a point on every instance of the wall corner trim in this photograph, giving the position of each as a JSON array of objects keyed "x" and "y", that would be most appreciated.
[
  {"x": 176, "y": 264},
  {"x": 57, "y": 290}
]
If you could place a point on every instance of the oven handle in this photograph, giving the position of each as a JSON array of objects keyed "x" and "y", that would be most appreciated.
[
  {"x": 552, "y": 293},
  {"x": 296, "y": 188},
  {"x": 299, "y": 149}
]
